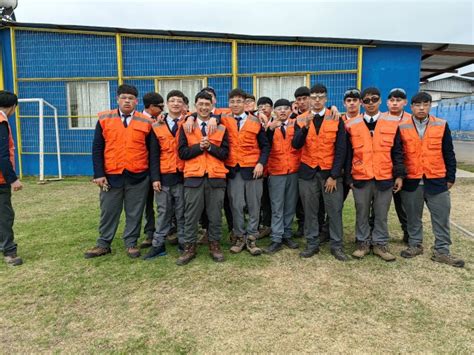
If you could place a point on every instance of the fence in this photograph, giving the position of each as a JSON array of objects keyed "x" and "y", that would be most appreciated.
[{"x": 460, "y": 116}]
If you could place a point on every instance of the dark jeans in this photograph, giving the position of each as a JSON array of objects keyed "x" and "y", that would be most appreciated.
[{"x": 7, "y": 216}]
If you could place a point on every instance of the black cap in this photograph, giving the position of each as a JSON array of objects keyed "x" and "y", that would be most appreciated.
[
  {"x": 398, "y": 93},
  {"x": 353, "y": 93},
  {"x": 264, "y": 100},
  {"x": 152, "y": 98},
  {"x": 302, "y": 91},
  {"x": 282, "y": 102},
  {"x": 421, "y": 97}
]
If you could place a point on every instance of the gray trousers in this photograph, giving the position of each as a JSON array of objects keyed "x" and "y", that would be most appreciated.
[
  {"x": 241, "y": 193},
  {"x": 439, "y": 206},
  {"x": 7, "y": 216},
  {"x": 364, "y": 198},
  {"x": 169, "y": 202},
  {"x": 149, "y": 227},
  {"x": 195, "y": 200},
  {"x": 283, "y": 190},
  {"x": 310, "y": 193},
  {"x": 132, "y": 199}
]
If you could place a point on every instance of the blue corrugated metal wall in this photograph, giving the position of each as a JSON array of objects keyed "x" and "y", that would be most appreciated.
[{"x": 460, "y": 116}]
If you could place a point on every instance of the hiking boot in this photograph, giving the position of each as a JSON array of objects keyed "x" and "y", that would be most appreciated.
[
  {"x": 238, "y": 245},
  {"x": 299, "y": 232},
  {"x": 273, "y": 248},
  {"x": 290, "y": 243},
  {"x": 188, "y": 254},
  {"x": 133, "y": 252},
  {"x": 215, "y": 251},
  {"x": 155, "y": 252},
  {"x": 96, "y": 251},
  {"x": 447, "y": 259},
  {"x": 204, "y": 240},
  {"x": 146, "y": 243},
  {"x": 251, "y": 245},
  {"x": 232, "y": 237},
  {"x": 172, "y": 238},
  {"x": 13, "y": 260},
  {"x": 309, "y": 251},
  {"x": 383, "y": 252},
  {"x": 362, "y": 250},
  {"x": 411, "y": 252},
  {"x": 264, "y": 232},
  {"x": 339, "y": 254}
]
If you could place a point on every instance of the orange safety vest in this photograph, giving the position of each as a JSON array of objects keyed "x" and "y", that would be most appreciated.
[
  {"x": 169, "y": 158},
  {"x": 11, "y": 147},
  {"x": 222, "y": 111},
  {"x": 125, "y": 148},
  {"x": 243, "y": 144},
  {"x": 318, "y": 149},
  {"x": 345, "y": 119},
  {"x": 372, "y": 155},
  {"x": 284, "y": 159},
  {"x": 423, "y": 156},
  {"x": 205, "y": 163}
]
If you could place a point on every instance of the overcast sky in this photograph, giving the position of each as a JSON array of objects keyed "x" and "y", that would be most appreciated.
[{"x": 393, "y": 20}]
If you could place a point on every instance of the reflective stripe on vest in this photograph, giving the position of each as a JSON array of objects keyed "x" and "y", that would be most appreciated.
[
  {"x": 205, "y": 163},
  {"x": 284, "y": 159},
  {"x": 11, "y": 147},
  {"x": 243, "y": 144},
  {"x": 169, "y": 158},
  {"x": 125, "y": 148},
  {"x": 372, "y": 155},
  {"x": 423, "y": 156},
  {"x": 318, "y": 149}
]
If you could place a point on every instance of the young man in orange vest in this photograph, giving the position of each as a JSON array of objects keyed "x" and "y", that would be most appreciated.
[
  {"x": 352, "y": 103},
  {"x": 168, "y": 178},
  {"x": 204, "y": 179},
  {"x": 154, "y": 105},
  {"x": 248, "y": 153},
  {"x": 8, "y": 179},
  {"x": 322, "y": 140},
  {"x": 282, "y": 167},
  {"x": 122, "y": 160},
  {"x": 375, "y": 160},
  {"x": 396, "y": 102},
  {"x": 431, "y": 171}
]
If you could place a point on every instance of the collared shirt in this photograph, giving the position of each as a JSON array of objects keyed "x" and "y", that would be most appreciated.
[
  {"x": 421, "y": 125},
  {"x": 320, "y": 113},
  {"x": 170, "y": 121},
  {"x": 242, "y": 121},
  {"x": 200, "y": 122},
  {"x": 129, "y": 118},
  {"x": 375, "y": 117}
]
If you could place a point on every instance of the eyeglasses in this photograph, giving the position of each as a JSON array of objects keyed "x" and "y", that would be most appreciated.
[
  {"x": 262, "y": 107},
  {"x": 422, "y": 104},
  {"x": 317, "y": 97},
  {"x": 236, "y": 102},
  {"x": 371, "y": 100},
  {"x": 352, "y": 92},
  {"x": 282, "y": 108}
]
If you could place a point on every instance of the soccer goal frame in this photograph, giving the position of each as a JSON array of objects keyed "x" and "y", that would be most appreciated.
[{"x": 41, "y": 104}]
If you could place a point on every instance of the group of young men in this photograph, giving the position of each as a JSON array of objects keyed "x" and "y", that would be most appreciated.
[{"x": 291, "y": 158}]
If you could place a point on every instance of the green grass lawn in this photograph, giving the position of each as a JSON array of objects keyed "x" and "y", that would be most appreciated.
[{"x": 60, "y": 302}]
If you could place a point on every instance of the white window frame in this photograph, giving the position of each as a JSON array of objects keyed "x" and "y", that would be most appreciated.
[
  {"x": 92, "y": 113},
  {"x": 203, "y": 81},
  {"x": 260, "y": 94}
]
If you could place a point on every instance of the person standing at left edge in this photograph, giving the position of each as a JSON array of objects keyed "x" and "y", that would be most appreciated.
[
  {"x": 8, "y": 179},
  {"x": 121, "y": 160}
]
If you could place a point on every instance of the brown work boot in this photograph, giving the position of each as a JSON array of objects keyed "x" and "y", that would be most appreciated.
[
  {"x": 146, "y": 243},
  {"x": 188, "y": 254},
  {"x": 172, "y": 238},
  {"x": 133, "y": 252},
  {"x": 13, "y": 260},
  {"x": 383, "y": 252},
  {"x": 204, "y": 240},
  {"x": 238, "y": 246},
  {"x": 447, "y": 259},
  {"x": 96, "y": 251},
  {"x": 263, "y": 232},
  {"x": 251, "y": 245},
  {"x": 215, "y": 251},
  {"x": 363, "y": 248},
  {"x": 412, "y": 251},
  {"x": 232, "y": 237}
]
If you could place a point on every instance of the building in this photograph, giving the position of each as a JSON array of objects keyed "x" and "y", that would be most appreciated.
[
  {"x": 449, "y": 88},
  {"x": 78, "y": 69}
]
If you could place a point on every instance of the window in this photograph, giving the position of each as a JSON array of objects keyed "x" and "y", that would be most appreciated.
[
  {"x": 190, "y": 87},
  {"x": 279, "y": 87},
  {"x": 85, "y": 100}
]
